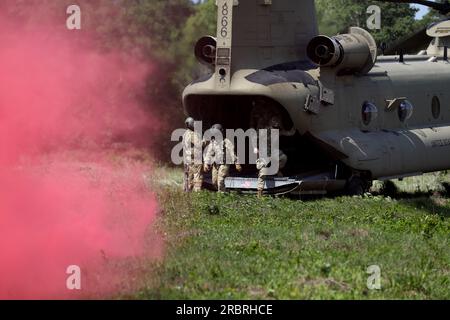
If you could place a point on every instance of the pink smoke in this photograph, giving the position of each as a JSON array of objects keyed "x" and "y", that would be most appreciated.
[{"x": 64, "y": 199}]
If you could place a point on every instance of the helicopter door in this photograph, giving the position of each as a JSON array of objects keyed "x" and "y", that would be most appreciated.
[{"x": 380, "y": 90}]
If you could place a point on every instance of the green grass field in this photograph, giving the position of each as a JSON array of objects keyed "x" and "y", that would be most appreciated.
[{"x": 240, "y": 247}]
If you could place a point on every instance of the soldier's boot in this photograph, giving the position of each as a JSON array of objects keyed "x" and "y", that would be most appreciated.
[
  {"x": 221, "y": 185},
  {"x": 221, "y": 176},
  {"x": 198, "y": 184},
  {"x": 260, "y": 194},
  {"x": 198, "y": 178},
  {"x": 215, "y": 178}
]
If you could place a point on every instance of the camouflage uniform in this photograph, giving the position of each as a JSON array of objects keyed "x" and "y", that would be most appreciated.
[
  {"x": 192, "y": 152},
  {"x": 262, "y": 164},
  {"x": 268, "y": 117},
  {"x": 217, "y": 154}
]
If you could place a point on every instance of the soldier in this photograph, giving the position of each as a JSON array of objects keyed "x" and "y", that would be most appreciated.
[
  {"x": 192, "y": 152},
  {"x": 263, "y": 163},
  {"x": 267, "y": 116},
  {"x": 261, "y": 114},
  {"x": 264, "y": 115},
  {"x": 218, "y": 152}
]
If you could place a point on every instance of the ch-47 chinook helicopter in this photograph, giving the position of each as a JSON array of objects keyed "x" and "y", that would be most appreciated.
[{"x": 359, "y": 117}]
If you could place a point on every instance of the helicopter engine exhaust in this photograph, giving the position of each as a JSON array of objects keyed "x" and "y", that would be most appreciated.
[
  {"x": 353, "y": 53},
  {"x": 205, "y": 50}
]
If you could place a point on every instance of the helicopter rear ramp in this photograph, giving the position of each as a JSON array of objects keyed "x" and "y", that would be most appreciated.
[{"x": 316, "y": 184}]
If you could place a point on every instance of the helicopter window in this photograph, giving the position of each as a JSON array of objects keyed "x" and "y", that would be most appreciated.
[
  {"x": 369, "y": 112},
  {"x": 273, "y": 77},
  {"x": 436, "y": 107},
  {"x": 405, "y": 110}
]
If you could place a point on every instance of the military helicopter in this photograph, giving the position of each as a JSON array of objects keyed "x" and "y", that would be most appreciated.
[{"x": 359, "y": 117}]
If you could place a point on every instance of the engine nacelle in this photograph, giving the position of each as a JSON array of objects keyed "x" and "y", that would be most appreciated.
[
  {"x": 205, "y": 50},
  {"x": 353, "y": 53}
]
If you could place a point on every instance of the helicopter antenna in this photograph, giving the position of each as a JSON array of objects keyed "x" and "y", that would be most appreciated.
[{"x": 442, "y": 7}]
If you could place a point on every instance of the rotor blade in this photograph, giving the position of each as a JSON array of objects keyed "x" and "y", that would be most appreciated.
[
  {"x": 443, "y": 8},
  {"x": 410, "y": 44}
]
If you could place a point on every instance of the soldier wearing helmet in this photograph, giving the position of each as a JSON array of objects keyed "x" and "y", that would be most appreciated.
[
  {"x": 192, "y": 153},
  {"x": 220, "y": 155},
  {"x": 267, "y": 116}
]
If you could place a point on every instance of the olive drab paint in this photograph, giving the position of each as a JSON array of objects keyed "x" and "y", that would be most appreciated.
[{"x": 224, "y": 43}]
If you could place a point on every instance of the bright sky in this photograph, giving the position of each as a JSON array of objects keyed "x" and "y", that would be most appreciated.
[{"x": 423, "y": 11}]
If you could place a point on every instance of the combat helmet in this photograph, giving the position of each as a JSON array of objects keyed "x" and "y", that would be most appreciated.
[
  {"x": 189, "y": 123},
  {"x": 275, "y": 123},
  {"x": 217, "y": 127}
]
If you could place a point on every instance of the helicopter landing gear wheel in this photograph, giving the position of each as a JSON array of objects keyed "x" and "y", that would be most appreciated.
[{"x": 357, "y": 186}]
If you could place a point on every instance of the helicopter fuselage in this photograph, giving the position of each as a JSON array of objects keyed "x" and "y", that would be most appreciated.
[
  {"x": 390, "y": 144},
  {"x": 358, "y": 117}
]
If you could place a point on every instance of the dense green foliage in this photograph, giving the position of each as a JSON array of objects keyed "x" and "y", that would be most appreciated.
[
  {"x": 201, "y": 23},
  {"x": 397, "y": 20},
  {"x": 231, "y": 246}
]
